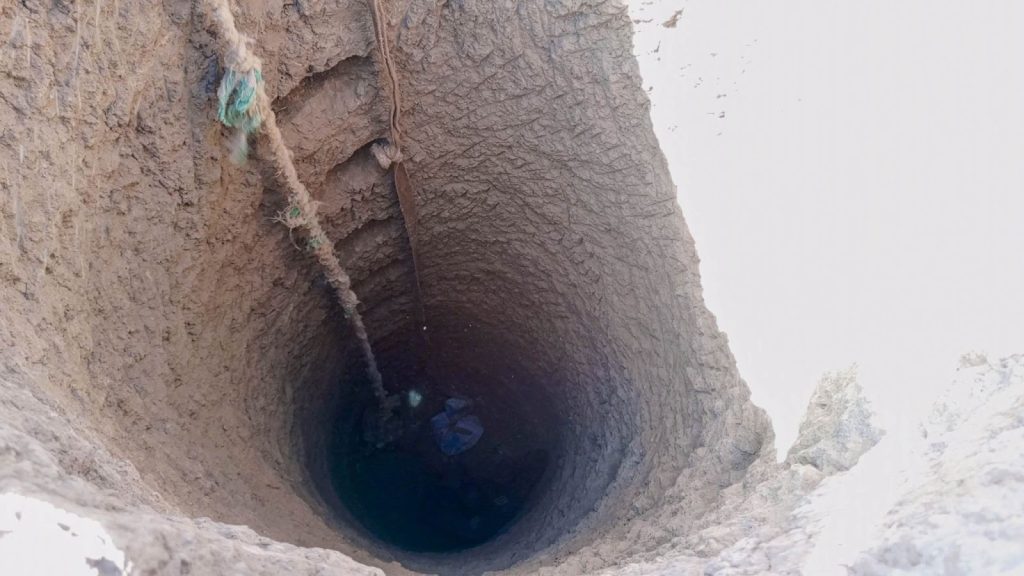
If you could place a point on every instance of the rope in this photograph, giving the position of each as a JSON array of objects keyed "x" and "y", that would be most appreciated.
[
  {"x": 245, "y": 106},
  {"x": 380, "y": 33},
  {"x": 389, "y": 154}
]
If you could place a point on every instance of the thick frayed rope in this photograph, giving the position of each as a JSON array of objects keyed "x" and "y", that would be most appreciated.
[{"x": 243, "y": 105}]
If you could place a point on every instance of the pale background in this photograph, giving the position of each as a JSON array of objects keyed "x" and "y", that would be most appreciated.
[{"x": 853, "y": 173}]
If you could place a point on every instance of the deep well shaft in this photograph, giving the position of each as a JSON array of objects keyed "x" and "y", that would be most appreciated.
[{"x": 151, "y": 299}]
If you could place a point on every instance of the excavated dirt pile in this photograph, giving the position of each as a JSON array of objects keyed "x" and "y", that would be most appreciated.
[{"x": 168, "y": 352}]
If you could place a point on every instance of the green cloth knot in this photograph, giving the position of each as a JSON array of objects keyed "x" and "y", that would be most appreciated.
[{"x": 236, "y": 107}]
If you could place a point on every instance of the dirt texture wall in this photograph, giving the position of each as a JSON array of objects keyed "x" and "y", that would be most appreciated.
[
  {"x": 147, "y": 292},
  {"x": 184, "y": 352},
  {"x": 537, "y": 175}
]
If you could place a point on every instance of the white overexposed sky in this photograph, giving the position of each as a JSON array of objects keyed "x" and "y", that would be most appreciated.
[
  {"x": 40, "y": 538},
  {"x": 853, "y": 173}
]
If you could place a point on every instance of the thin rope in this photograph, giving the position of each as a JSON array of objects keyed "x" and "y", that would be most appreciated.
[
  {"x": 245, "y": 106},
  {"x": 380, "y": 33},
  {"x": 389, "y": 155}
]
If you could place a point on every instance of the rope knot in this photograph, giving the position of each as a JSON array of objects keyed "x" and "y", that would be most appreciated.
[
  {"x": 241, "y": 86},
  {"x": 386, "y": 153},
  {"x": 299, "y": 214}
]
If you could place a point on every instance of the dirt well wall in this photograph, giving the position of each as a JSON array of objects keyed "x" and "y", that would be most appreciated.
[{"x": 154, "y": 309}]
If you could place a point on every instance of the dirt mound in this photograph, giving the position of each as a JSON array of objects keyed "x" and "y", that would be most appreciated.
[{"x": 185, "y": 353}]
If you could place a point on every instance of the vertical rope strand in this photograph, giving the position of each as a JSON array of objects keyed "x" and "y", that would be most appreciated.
[{"x": 245, "y": 106}]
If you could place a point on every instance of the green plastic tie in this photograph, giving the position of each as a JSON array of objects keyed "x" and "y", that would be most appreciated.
[{"x": 236, "y": 99}]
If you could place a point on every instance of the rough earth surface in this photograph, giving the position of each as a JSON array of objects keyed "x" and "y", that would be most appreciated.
[
  {"x": 169, "y": 357},
  {"x": 838, "y": 426}
]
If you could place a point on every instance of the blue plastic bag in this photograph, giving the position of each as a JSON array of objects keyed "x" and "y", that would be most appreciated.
[{"x": 455, "y": 430}]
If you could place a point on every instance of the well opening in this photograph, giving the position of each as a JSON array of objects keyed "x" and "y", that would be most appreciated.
[{"x": 149, "y": 296}]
